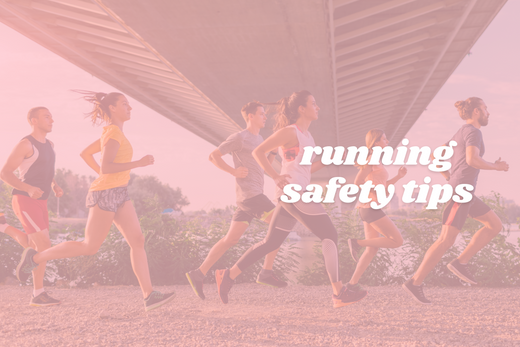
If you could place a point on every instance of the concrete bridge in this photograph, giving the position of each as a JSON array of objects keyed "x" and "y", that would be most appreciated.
[{"x": 369, "y": 63}]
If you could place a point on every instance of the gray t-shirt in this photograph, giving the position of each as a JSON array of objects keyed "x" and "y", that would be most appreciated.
[
  {"x": 461, "y": 172},
  {"x": 241, "y": 146}
]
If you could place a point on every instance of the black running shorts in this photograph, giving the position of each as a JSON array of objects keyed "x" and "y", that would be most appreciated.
[
  {"x": 455, "y": 214},
  {"x": 370, "y": 215},
  {"x": 259, "y": 207}
]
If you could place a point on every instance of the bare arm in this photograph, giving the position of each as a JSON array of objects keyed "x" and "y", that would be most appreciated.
[
  {"x": 282, "y": 138},
  {"x": 271, "y": 157},
  {"x": 88, "y": 155},
  {"x": 21, "y": 151},
  {"x": 474, "y": 160},
  {"x": 108, "y": 156},
  {"x": 216, "y": 158},
  {"x": 400, "y": 174}
]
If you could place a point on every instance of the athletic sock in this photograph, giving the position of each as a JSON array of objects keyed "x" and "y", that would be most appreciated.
[{"x": 37, "y": 292}]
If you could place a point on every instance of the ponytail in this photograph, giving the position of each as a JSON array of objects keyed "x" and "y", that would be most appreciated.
[
  {"x": 287, "y": 109},
  {"x": 101, "y": 101}
]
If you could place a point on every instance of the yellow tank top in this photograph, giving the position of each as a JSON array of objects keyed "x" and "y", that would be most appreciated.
[{"x": 124, "y": 155}]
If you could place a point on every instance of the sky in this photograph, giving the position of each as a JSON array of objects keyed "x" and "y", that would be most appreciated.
[{"x": 30, "y": 76}]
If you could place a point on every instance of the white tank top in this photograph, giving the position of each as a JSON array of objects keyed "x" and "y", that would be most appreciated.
[{"x": 291, "y": 159}]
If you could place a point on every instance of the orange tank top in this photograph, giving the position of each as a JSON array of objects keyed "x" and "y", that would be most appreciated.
[{"x": 379, "y": 175}]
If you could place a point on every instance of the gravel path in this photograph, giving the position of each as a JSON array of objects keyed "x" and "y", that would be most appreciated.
[{"x": 262, "y": 316}]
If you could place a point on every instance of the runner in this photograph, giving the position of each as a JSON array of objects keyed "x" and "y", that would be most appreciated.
[
  {"x": 466, "y": 164},
  {"x": 34, "y": 158},
  {"x": 294, "y": 117},
  {"x": 251, "y": 201},
  {"x": 107, "y": 199},
  {"x": 375, "y": 222},
  {"x": 18, "y": 235}
]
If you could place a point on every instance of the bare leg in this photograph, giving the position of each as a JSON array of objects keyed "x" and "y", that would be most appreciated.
[
  {"x": 18, "y": 235},
  {"x": 435, "y": 252},
  {"x": 40, "y": 241},
  {"x": 368, "y": 254},
  {"x": 492, "y": 226},
  {"x": 96, "y": 231},
  {"x": 236, "y": 230},
  {"x": 384, "y": 226},
  {"x": 128, "y": 224}
]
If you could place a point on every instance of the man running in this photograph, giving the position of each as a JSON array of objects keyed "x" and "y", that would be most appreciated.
[
  {"x": 34, "y": 157},
  {"x": 251, "y": 201},
  {"x": 466, "y": 164}
]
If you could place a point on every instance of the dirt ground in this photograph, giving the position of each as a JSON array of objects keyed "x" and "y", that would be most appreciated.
[{"x": 262, "y": 316}]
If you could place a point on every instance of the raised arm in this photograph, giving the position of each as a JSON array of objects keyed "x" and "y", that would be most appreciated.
[
  {"x": 400, "y": 174},
  {"x": 21, "y": 151},
  {"x": 216, "y": 158},
  {"x": 473, "y": 159},
  {"x": 88, "y": 155},
  {"x": 108, "y": 156},
  {"x": 285, "y": 137}
]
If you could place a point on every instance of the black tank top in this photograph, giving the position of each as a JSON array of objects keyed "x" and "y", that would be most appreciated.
[{"x": 38, "y": 169}]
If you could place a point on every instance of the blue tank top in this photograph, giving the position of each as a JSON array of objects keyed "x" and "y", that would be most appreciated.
[{"x": 38, "y": 169}]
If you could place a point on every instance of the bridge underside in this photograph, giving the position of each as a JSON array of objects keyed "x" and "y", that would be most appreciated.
[{"x": 369, "y": 63}]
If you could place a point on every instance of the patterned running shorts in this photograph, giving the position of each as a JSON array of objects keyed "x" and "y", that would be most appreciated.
[{"x": 108, "y": 200}]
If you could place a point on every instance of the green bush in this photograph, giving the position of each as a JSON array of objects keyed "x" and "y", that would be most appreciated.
[
  {"x": 10, "y": 250},
  {"x": 497, "y": 264},
  {"x": 173, "y": 247}
]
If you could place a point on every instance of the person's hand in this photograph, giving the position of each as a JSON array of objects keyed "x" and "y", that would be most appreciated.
[
  {"x": 402, "y": 172},
  {"x": 281, "y": 180},
  {"x": 501, "y": 165},
  {"x": 57, "y": 190},
  {"x": 34, "y": 192},
  {"x": 240, "y": 172},
  {"x": 146, "y": 160}
]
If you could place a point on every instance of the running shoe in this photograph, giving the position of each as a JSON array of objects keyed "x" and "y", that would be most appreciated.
[
  {"x": 196, "y": 279},
  {"x": 354, "y": 249},
  {"x": 349, "y": 294},
  {"x": 461, "y": 271},
  {"x": 416, "y": 292},
  {"x": 43, "y": 300},
  {"x": 268, "y": 278},
  {"x": 157, "y": 299},
  {"x": 26, "y": 265},
  {"x": 224, "y": 284}
]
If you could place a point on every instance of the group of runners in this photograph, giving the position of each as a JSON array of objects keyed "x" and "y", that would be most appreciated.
[{"x": 108, "y": 199}]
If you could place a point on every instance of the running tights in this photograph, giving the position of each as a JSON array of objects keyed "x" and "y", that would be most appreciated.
[{"x": 313, "y": 217}]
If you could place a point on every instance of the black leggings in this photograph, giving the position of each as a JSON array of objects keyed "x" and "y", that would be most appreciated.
[{"x": 313, "y": 217}]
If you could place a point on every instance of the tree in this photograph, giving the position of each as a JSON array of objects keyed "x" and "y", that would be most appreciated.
[{"x": 144, "y": 188}]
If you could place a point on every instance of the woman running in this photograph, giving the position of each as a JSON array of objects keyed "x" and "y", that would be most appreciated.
[
  {"x": 375, "y": 222},
  {"x": 295, "y": 115},
  {"x": 107, "y": 199}
]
